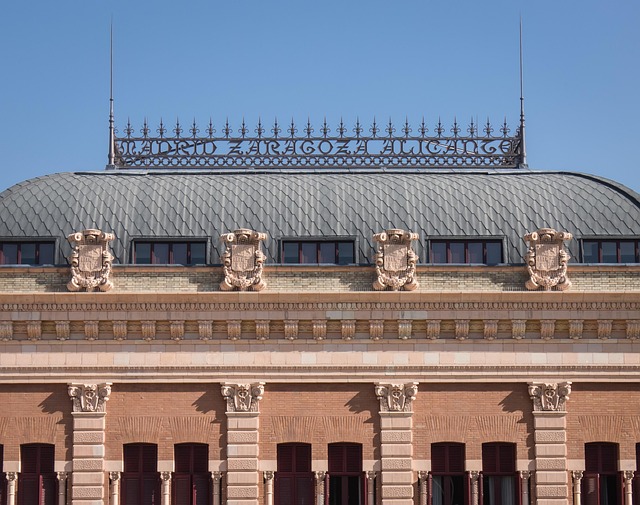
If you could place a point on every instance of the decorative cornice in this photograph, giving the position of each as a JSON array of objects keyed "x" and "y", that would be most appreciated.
[
  {"x": 549, "y": 397},
  {"x": 89, "y": 397}
]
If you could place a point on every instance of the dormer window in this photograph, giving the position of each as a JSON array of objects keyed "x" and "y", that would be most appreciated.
[
  {"x": 27, "y": 253},
  {"x": 169, "y": 253},
  {"x": 487, "y": 252},
  {"x": 611, "y": 251},
  {"x": 334, "y": 252}
]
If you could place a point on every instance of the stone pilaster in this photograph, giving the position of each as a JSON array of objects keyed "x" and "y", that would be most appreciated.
[
  {"x": 89, "y": 411},
  {"x": 396, "y": 448},
  {"x": 550, "y": 438},
  {"x": 242, "y": 442}
]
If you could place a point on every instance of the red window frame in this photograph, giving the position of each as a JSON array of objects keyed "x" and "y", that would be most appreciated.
[
  {"x": 140, "y": 479},
  {"x": 191, "y": 482},
  {"x": 37, "y": 482},
  {"x": 499, "y": 463},
  {"x": 294, "y": 480},
  {"x": 602, "y": 482},
  {"x": 345, "y": 466},
  {"x": 448, "y": 466}
]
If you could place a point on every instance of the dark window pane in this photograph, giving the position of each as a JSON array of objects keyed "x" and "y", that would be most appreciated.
[
  {"x": 143, "y": 254},
  {"x": 290, "y": 252},
  {"x": 345, "y": 253},
  {"x": 494, "y": 253},
  {"x": 475, "y": 252},
  {"x": 179, "y": 250},
  {"x": 438, "y": 252},
  {"x": 198, "y": 253},
  {"x": 327, "y": 253},
  {"x": 456, "y": 250},
  {"x": 46, "y": 253},
  {"x": 627, "y": 252},
  {"x": 28, "y": 254},
  {"x": 590, "y": 248},
  {"x": 160, "y": 254},
  {"x": 9, "y": 254},
  {"x": 609, "y": 252},
  {"x": 309, "y": 252}
]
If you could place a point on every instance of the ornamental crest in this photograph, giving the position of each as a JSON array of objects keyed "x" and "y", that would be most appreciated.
[
  {"x": 243, "y": 260},
  {"x": 395, "y": 261},
  {"x": 89, "y": 397},
  {"x": 396, "y": 397},
  {"x": 547, "y": 260},
  {"x": 90, "y": 261},
  {"x": 243, "y": 397},
  {"x": 550, "y": 397}
]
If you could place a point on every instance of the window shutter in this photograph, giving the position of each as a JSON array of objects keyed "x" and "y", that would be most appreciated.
[
  {"x": 353, "y": 460},
  {"x": 49, "y": 485},
  {"x": 181, "y": 487},
  {"x": 447, "y": 458},
  {"x": 489, "y": 458},
  {"x": 201, "y": 489},
  {"x": 182, "y": 458},
  {"x": 590, "y": 486},
  {"x": 507, "y": 458},
  {"x": 200, "y": 458},
  {"x": 336, "y": 458},
  {"x": 601, "y": 457},
  {"x": 149, "y": 458},
  {"x": 47, "y": 458},
  {"x": 438, "y": 458},
  {"x": 132, "y": 458},
  {"x": 29, "y": 459},
  {"x": 285, "y": 458},
  {"x": 302, "y": 458},
  {"x": 129, "y": 490}
]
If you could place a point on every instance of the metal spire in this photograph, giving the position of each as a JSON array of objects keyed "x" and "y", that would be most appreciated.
[
  {"x": 112, "y": 137},
  {"x": 523, "y": 146}
]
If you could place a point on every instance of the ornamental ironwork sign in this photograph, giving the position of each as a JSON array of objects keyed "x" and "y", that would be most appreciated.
[{"x": 376, "y": 146}]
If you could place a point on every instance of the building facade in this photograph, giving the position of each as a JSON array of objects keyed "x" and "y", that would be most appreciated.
[{"x": 240, "y": 325}]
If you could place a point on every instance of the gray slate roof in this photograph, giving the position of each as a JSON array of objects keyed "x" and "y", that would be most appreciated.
[{"x": 166, "y": 204}]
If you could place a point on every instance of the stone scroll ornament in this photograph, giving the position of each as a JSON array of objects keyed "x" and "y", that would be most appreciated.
[
  {"x": 550, "y": 397},
  {"x": 89, "y": 397},
  {"x": 90, "y": 260},
  {"x": 396, "y": 397},
  {"x": 242, "y": 397},
  {"x": 547, "y": 260},
  {"x": 243, "y": 261},
  {"x": 395, "y": 261}
]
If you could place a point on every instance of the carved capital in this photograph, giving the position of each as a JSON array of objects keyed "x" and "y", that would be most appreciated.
[
  {"x": 91, "y": 330},
  {"x": 262, "y": 329},
  {"x": 525, "y": 474},
  {"x": 633, "y": 329},
  {"x": 433, "y": 329},
  {"x": 518, "y": 328},
  {"x": 6, "y": 330},
  {"x": 376, "y": 329},
  {"x": 34, "y": 330},
  {"x": 320, "y": 476},
  {"x": 205, "y": 330},
  {"x": 319, "y": 329},
  {"x": 490, "y": 329},
  {"x": 575, "y": 328},
  {"x": 550, "y": 397},
  {"x": 628, "y": 477},
  {"x": 396, "y": 397},
  {"x": 62, "y": 477},
  {"x": 234, "y": 329},
  {"x": 12, "y": 477},
  {"x": 243, "y": 260},
  {"x": 547, "y": 259},
  {"x": 291, "y": 329},
  {"x": 268, "y": 475},
  {"x": 148, "y": 330},
  {"x": 165, "y": 477},
  {"x": 243, "y": 397},
  {"x": 348, "y": 329},
  {"x": 90, "y": 261},
  {"x": 395, "y": 260},
  {"x": 89, "y": 397},
  {"x": 404, "y": 329},
  {"x": 577, "y": 475},
  {"x": 114, "y": 476},
  {"x": 176, "y": 330},
  {"x": 462, "y": 329},
  {"x": 119, "y": 330},
  {"x": 547, "y": 329},
  {"x": 216, "y": 477},
  {"x": 62, "y": 330},
  {"x": 604, "y": 328}
]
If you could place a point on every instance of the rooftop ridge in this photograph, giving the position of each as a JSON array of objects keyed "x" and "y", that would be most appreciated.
[{"x": 378, "y": 146}]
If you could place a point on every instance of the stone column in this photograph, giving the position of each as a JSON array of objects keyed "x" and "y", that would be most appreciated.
[
  {"x": 89, "y": 411},
  {"x": 577, "y": 486},
  {"x": 268, "y": 487},
  {"x": 628, "y": 487},
  {"x": 242, "y": 441},
  {"x": 12, "y": 481},
  {"x": 62, "y": 488},
  {"x": 524, "y": 478},
  {"x": 550, "y": 438},
  {"x": 475, "y": 486},
  {"x": 371, "y": 487},
  {"x": 423, "y": 479},
  {"x": 216, "y": 477},
  {"x": 396, "y": 448},
  {"x": 165, "y": 479},
  {"x": 320, "y": 479},
  {"x": 114, "y": 488}
]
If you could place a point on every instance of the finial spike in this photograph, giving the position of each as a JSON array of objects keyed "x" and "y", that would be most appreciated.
[
  {"x": 111, "y": 162},
  {"x": 523, "y": 147}
]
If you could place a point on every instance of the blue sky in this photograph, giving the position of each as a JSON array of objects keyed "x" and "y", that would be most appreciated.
[{"x": 350, "y": 58}]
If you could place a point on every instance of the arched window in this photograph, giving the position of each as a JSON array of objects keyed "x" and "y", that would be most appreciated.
[
  {"x": 499, "y": 479},
  {"x": 37, "y": 483},
  {"x": 294, "y": 484},
  {"x": 601, "y": 482},
  {"x": 347, "y": 485},
  {"x": 140, "y": 479},
  {"x": 191, "y": 480},
  {"x": 449, "y": 483}
]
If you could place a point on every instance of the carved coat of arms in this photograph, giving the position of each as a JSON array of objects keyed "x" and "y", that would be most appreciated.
[
  {"x": 243, "y": 260},
  {"x": 547, "y": 259},
  {"x": 395, "y": 261},
  {"x": 90, "y": 260}
]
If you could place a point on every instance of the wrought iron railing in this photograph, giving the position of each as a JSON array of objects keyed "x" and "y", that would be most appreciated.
[{"x": 374, "y": 147}]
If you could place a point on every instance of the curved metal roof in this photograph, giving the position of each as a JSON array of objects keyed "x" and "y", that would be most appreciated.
[{"x": 164, "y": 204}]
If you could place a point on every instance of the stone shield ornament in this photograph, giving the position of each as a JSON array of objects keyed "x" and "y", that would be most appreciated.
[
  {"x": 243, "y": 260},
  {"x": 90, "y": 261},
  {"x": 547, "y": 259},
  {"x": 395, "y": 261}
]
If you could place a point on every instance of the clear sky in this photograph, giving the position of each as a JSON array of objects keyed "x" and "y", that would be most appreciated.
[{"x": 336, "y": 58}]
